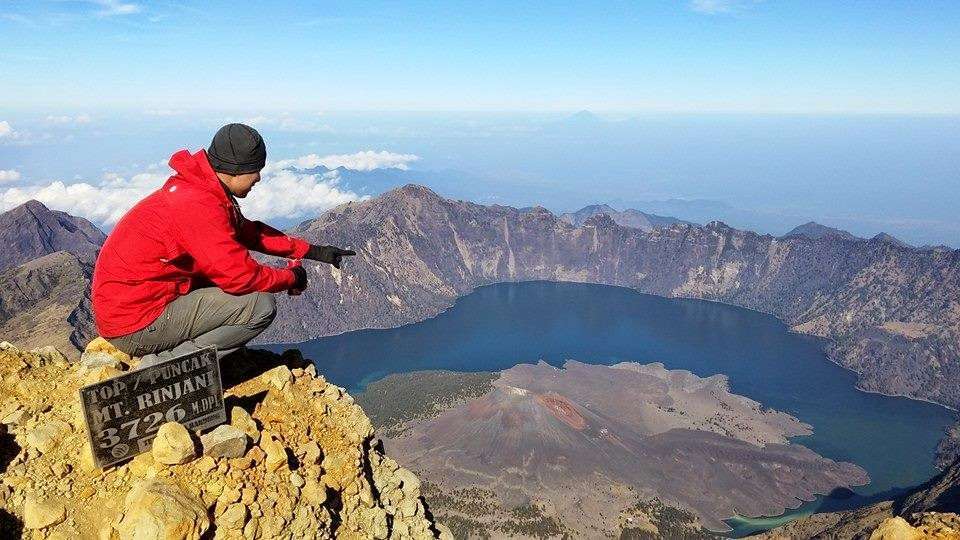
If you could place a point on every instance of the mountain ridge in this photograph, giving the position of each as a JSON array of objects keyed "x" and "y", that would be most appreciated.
[{"x": 891, "y": 312}]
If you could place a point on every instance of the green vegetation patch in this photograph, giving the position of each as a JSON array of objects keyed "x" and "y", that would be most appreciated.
[
  {"x": 671, "y": 522},
  {"x": 530, "y": 520},
  {"x": 400, "y": 398}
]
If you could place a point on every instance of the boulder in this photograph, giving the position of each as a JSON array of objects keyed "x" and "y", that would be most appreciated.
[
  {"x": 162, "y": 509},
  {"x": 279, "y": 377},
  {"x": 173, "y": 445},
  {"x": 100, "y": 345},
  {"x": 225, "y": 441},
  {"x": 241, "y": 419}
]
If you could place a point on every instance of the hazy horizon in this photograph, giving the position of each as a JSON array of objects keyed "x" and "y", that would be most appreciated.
[{"x": 773, "y": 113}]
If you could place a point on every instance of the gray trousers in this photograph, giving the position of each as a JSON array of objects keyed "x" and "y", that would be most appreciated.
[{"x": 199, "y": 319}]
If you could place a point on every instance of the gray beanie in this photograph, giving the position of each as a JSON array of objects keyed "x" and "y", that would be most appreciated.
[{"x": 237, "y": 149}]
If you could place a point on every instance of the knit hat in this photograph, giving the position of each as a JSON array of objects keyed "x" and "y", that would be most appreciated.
[{"x": 237, "y": 149}]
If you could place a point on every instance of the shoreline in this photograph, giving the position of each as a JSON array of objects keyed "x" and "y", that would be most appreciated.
[{"x": 721, "y": 302}]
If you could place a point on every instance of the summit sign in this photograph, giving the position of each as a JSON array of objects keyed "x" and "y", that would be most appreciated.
[{"x": 123, "y": 414}]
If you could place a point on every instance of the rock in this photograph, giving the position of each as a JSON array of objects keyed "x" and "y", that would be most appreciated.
[
  {"x": 91, "y": 360},
  {"x": 42, "y": 514},
  {"x": 241, "y": 419},
  {"x": 409, "y": 481},
  {"x": 51, "y": 355},
  {"x": 15, "y": 418},
  {"x": 296, "y": 480},
  {"x": 173, "y": 445},
  {"x": 46, "y": 436},
  {"x": 225, "y": 441},
  {"x": 311, "y": 453},
  {"x": 100, "y": 373},
  {"x": 206, "y": 464},
  {"x": 276, "y": 452},
  {"x": 279, "y": 377},
  {"x": 100, "y": 345},
  {"x": 233, "y": 517},
  {"x": 895, "y": 528},
  {"x": 162, "y": 510}
]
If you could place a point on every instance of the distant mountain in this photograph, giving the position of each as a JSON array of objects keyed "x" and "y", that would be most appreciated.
[
  {"x": 627, "y": 218},
  {"x": 884, "y": 237},
  {"x": 32, "y": 230},
  {"x": 816, "y": 231},
  {"x": 46, "y": 268},
  {"x": 891, "y": 313}
]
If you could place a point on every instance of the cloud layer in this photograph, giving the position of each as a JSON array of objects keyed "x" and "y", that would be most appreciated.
[
  {"x": 285, "y": 191},
  {"x": 8, "y": 176},
  {"x": 361, "y": 161}
]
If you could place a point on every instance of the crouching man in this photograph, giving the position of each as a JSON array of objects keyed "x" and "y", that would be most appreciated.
[{"x": 175, "y": 274}]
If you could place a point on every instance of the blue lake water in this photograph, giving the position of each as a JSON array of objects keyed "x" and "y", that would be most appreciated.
[{"x": 498, "y": 326}]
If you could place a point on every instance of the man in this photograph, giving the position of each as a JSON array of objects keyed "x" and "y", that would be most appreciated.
[{"x": 176, "y": 274}]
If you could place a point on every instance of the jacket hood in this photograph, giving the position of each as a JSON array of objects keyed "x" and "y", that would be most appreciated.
[{"x": 195, "y": 170}]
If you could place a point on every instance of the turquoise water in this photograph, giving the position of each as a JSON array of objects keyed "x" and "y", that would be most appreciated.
[{"x": 498, "y": 326}]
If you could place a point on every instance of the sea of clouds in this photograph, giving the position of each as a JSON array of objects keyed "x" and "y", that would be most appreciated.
[{"x": 292, "y": 188}]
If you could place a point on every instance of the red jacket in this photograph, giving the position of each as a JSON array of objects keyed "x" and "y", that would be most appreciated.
[{"x": 185, "y": 235}]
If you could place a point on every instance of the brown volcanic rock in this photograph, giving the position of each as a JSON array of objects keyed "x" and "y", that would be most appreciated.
[
  {"x": 417, "y": 252},
  {"x": 638, "y": 430},
  {"x": 46, "y": 301}
]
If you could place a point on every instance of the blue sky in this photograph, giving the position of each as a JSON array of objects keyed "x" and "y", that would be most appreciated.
[
  {"x": 705, "y": 55},
  {"x": 763, "y": 113}
]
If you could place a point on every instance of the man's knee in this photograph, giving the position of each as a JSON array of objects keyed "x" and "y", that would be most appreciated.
[{"x": 264, "y": 309}]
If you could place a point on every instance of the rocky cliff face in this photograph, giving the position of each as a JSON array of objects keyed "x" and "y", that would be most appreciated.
[
  {"x": 46, "y": 301},
  {"x": 891, "y": 312},
  {"x": 298, "y": 460},
  {"x": 46, "y": 266}
]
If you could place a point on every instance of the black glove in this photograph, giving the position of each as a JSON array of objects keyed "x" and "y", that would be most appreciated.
[
  {"x": 301, "y": 274},
  {"x": 328, "y": 254}
]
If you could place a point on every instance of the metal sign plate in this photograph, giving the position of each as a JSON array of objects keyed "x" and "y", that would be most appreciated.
[{"x": 123, "y": 414}]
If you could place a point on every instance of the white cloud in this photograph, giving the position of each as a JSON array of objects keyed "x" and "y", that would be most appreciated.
[
  {"x": 361, "y": 161},
  {"x": 9, "y": 175},
  {"x": 713, "y": 7},
  {"x": 115, "y": 7},
  {"x": 291, "y": 194},
  {"x": 6, "y": 130},
  {"x": 282, "y": 193},
  {"x": 65, "y": 119}
]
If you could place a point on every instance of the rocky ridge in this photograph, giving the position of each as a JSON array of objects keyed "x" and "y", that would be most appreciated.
[
  {"x": 891, "y": 312},
  {"x": 627, "y": 218},
  {"x": 298, "y": 459}
]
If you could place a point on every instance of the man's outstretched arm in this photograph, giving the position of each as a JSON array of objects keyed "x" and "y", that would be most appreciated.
[{"x": 265, "y": 239}]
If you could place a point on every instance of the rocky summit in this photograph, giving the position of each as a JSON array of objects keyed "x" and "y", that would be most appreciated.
[{"x": 298, "y": 460}]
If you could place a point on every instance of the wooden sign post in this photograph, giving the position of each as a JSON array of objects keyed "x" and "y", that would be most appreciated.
[{"x": 123, "y": 414}]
